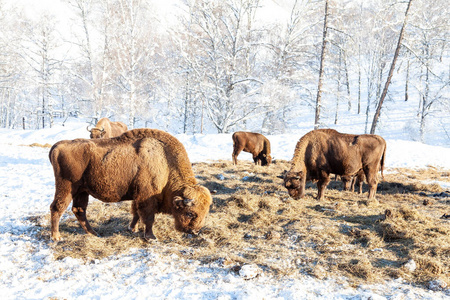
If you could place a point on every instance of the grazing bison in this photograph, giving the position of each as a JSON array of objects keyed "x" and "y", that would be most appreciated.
[
  {"x": 107, "y": 129},
  {"x": 148, "y": 166},
  {"x": 323, "y": 151},
  {"x": 255, "y": 143}
]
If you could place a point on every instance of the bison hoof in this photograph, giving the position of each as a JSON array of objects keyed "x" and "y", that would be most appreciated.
[
  {"x": 93, "y": 233},
  {"x": 133, "y": 229},
  {"x": 57, "y": 238},
  {"x": 149, "y": 237}
]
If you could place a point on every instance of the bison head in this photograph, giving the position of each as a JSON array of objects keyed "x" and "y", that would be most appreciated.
[
  {"x": 347, "y": 180},
  {"x": 97, "y": 133},
  {"x": 295, "y": 184},
  {"x": 265, "y": 159},
  {"x": 190, "y": 208}
]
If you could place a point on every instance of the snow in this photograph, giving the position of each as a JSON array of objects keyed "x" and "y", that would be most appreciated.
[{"x": 29, "y": 271}]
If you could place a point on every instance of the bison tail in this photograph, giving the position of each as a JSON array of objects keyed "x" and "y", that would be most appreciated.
[{"x": 382, "y": 162}]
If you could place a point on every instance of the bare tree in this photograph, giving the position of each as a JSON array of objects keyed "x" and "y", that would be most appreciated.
[
  {"x": 426, "y": 45},
  {"x": 39, "y": 51},
  {"x": 288, "y": 69},
  {"x": 93, "y": 67},
  {"x": 391, "y": 71},
  {"x": 132, "y": 55},
  {"x": 222, "y": 30},
  {"x": 321, "y": 68}
]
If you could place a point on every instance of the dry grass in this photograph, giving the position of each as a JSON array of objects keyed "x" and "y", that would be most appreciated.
[
  {"x": 253, "y": 220},
  {"x": 46, "y": 145}
]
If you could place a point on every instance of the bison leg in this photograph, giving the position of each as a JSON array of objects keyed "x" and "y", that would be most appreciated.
[
  {"x": 80, "y": 203},
  {"x": 63, "y": 196},
  {"x": 146, "y": 212},
  {"x": 236, "y": 151},
  {"x": 257, "y": 160},
  {"x": 371, "y": 176},
  {"x": 134, "y": 222},
  {"x": 352, "y": 186},
  {"x": 321, "y": 185},
  {"x": 360, "y": 180}
]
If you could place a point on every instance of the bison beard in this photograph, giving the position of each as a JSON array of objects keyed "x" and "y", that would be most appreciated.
[
  {"x": 323, "y": 151},
  {"x": 149, "y": 167}
]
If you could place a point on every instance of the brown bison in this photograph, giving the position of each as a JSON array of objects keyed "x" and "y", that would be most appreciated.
[
  {"x": 148, "y": 166},
  {"x": 323, "y": 151},
  {"x": 255, "y": 143},
  {"x": 107, "y": 129}
]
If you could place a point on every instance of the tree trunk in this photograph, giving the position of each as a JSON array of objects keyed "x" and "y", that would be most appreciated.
[
  {"x": 407, "y": 81},
  {"x": 322, "y": 59},
  {"x": 425, "y": 100},
  {"x": 336, "y": 116},
  {"x": 391, "y": 71},
  {"x": 186, "y": 104},
  {"x": 347, "y": 82},
  {"x": 359, "y": 80}
]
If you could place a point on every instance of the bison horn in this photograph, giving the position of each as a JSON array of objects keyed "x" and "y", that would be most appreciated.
[
  {"x": 188, "y": 202},
  {"x": 87, "y": 128},
  {"x": 103, "y": 129}
]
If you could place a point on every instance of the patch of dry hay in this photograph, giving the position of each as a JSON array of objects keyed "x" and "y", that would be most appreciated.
[
  {"x": 253, "y": 220},
  {"x": 46, "y": 145}
]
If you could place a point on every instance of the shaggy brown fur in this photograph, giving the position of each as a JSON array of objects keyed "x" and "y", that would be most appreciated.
[
  {"x": 321, "y": 152},
  {"x": 148, "y": 166},
  {"x": 255, "y": 143},
  {"x": 107, "y": 129}
]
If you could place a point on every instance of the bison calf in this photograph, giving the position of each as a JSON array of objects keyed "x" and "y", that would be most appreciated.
[
  {"x": 255, "y": 143},
  {"x": 148, "y": 166}
]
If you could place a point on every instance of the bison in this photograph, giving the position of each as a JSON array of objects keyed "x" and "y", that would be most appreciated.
[
  {"x": 148, "y": 166},
  {"x": 255, "y": 143},
  {"x": 107, "y": 129},
  {"x": 323, "y": 151}
]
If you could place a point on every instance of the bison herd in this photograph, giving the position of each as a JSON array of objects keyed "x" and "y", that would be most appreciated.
[{"x": 151, "y": 168}]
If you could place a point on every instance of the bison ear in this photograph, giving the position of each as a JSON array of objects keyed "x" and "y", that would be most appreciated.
[
  {"x": 282, "y": 174},
  {"x": 179, "y": 202}
]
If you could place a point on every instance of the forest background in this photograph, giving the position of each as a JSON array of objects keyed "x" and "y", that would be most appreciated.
[{"x": 189, "y": 66}]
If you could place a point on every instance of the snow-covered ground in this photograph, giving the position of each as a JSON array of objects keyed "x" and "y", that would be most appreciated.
[{"x": 29, "y": 271}]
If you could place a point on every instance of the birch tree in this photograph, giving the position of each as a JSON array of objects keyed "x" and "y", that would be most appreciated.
[
  {"x": 427, "y": 45},
  {"x": 321, "y": 68},
  {"x": 95, "y": 64},
  {"x": 39, "y": 50},
  {"x": 132, "y": 55},
  {"x": 289, "y": 75},
  {"x": 222, "y": 29},
  {"x": 391, "y": 70}
]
